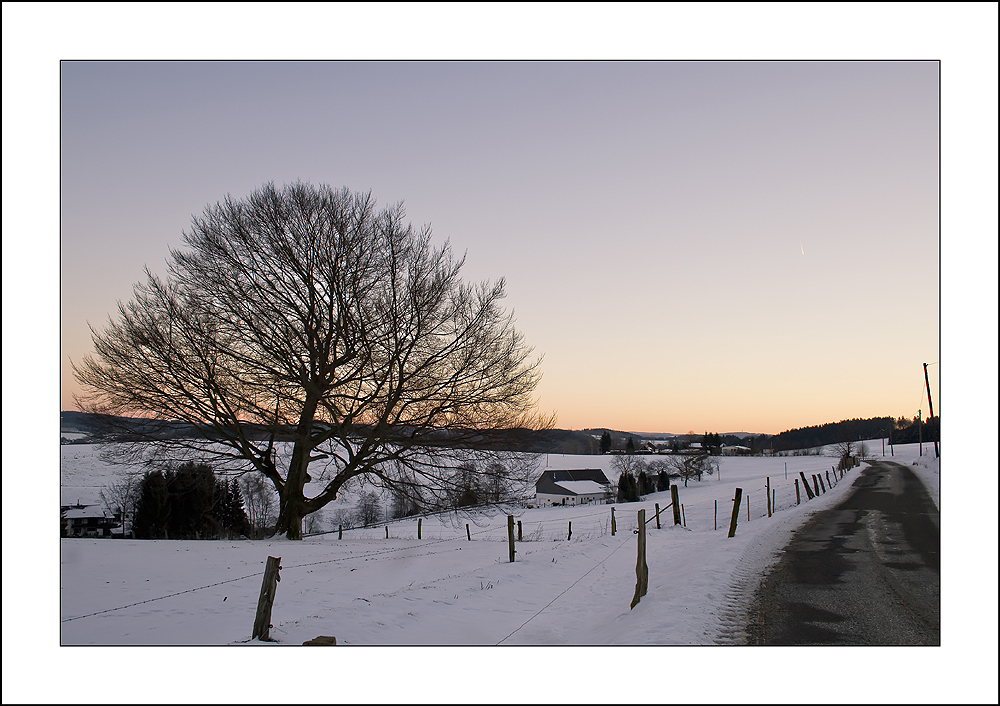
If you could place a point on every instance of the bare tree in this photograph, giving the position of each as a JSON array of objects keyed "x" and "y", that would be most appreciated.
[
  {"x": 121, "y": 497},
  {"x": 627, "y": 463},
  {"x": 302, "y": 314},
  {"x": 369, "y": 509},
  {"x": 692, "y": 466},
  {"x": 258, "y": 496}
]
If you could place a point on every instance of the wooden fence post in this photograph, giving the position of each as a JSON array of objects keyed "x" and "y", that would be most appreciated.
[
  {"x": 570, "y": 535},
  {"x": 715, "y": 518},
  {"x": 641, "y": 570},
  {"x": 805, "y": 484},
  {"x": 676, "y": 504},
  {"x": 613, "y": 525},
  {"x": 774, "y": 492},
  {"x": 519, "y": 531},
  {"x": 657, "y": 515},
  {"x": 510, "y": 535},
  {"x": 736, "y": 511},
  {"x": 420, "y": 522},
  {"x": 262, "y": 622},
  {"x": 768, "y": 496},
  {"x": 467, "y": 532},
  {"x": 340, "y": 531},
  {"x": 798, "y": 496},
  {"x": 683, "y": 518},
  {"x": 387, "y": 531}
]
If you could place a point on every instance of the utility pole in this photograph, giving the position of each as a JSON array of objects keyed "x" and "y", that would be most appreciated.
[
  {"x": 920, "y": 433},
  {"x": 930, "y": 406}
]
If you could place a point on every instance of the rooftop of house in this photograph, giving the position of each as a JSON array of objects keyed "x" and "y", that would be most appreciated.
[
  {"x": 86, "y": 511},
  {"x": 571, "y": 481}
]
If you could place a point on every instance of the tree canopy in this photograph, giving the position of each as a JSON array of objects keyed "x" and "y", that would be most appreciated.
[{"x": 306, "y": 311}]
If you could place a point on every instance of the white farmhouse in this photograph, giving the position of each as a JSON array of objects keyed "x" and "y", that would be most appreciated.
[{"x": 572, "y": 487}]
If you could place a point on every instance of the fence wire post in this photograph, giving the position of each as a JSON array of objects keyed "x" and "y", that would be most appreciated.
[
  {"x": 510, "y": 536},
  {"x": 676, "y": 503},
  {"x": 641, "y": 570},
  {"x": 736, "y": 511},
  {"x": 805, "y": 484},
  {"x": 262, "y": 622}
]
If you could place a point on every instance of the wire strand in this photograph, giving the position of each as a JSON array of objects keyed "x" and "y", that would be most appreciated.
[{"x": 624, "y": 542}]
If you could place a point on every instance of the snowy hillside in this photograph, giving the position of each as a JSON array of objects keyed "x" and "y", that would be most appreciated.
[{"x": 445, "y": 589}]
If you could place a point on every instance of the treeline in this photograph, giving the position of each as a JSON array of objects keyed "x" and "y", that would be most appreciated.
[
  {"x": 908, "y": 431},
  {"x": 901, "y": 431},
  {"x": 112, "y": 428},
  {"x": 189, "y": 502}
]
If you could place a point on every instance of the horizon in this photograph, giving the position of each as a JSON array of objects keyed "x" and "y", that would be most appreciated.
[{"x": 670, "y": 433}]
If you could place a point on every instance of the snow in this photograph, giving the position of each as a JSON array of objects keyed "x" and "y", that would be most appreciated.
[
  {"x": 445, "y": 589},
  {"x": 448, "y": 591},
  {"x": 581, "y": 487}
]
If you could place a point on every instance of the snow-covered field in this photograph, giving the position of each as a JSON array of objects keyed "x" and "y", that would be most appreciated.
[{"x": 447, "y": 590}]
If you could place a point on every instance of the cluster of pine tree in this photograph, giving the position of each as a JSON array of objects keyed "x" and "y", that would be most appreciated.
[
  {"x": 628, "y": 488},
  {"x": 632, "y": 487},
  {"x": 910, "y": 431},
  {"x": 833, "y": 433},
  {"x": 189, "y": 502}
]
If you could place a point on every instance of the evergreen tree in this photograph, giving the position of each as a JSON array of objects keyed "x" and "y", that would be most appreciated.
[
  {"x": 236, "y": 515},
  {"x": 662, "y": 481},
  {"x": 623, "y": 487},
  {"x": 605, "y": 441},
  {"x": 630, "y": 446},
  {"x": 153, "y": 510}
]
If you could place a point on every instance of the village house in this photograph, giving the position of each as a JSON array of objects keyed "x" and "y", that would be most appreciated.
[
  {"x": 87, "y": 521},
  {"x": 735, "y": 450},
  {"x": 572, "y": 487}
]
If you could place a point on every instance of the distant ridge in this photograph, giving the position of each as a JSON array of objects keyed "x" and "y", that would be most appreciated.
[{"x": 561, "y": 441}]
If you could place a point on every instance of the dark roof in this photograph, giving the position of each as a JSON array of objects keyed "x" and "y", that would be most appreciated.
[{"x": 547, "y": 483}]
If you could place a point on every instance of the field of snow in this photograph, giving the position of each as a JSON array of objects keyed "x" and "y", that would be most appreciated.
[{"x": 446, "y": 590}]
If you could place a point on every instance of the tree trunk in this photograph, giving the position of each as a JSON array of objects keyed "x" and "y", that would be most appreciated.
[
  {"x": 292, "y": 498},
  {"x": 290, "y": 516}
]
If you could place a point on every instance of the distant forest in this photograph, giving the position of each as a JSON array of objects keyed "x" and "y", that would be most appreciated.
[{"x": 899, "y": 431}]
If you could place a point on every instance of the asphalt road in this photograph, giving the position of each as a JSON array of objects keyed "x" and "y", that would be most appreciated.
[{"x": 867, "y": 572}]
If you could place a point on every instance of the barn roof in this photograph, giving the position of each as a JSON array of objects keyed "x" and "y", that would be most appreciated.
[
  {"x": 581, "y": 487},
  {"x": 554, "y": 482}
]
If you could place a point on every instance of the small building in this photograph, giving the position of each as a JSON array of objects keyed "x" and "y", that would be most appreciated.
[
  {"x": 735, "y": 450},
  {"x": 572, "y": 487},
  {"x": 87, "y": 521}
]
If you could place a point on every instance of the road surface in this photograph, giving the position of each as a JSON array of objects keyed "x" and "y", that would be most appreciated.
[{"x": 867, "y": 572}]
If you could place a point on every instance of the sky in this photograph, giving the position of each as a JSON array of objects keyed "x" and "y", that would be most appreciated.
[{"x": 689, "y": 244}]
